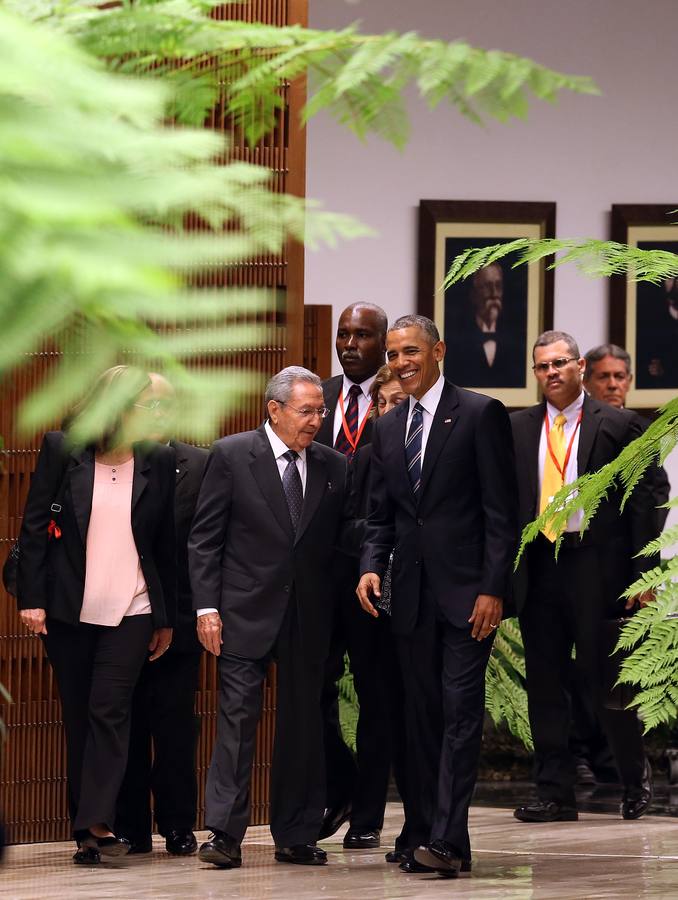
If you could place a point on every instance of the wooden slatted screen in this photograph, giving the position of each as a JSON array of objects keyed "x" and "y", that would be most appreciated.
[
  {"x": 318, "y": 342},
  {"x": 32, "y": 768}
]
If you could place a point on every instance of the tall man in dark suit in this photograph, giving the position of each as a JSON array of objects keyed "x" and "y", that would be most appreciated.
[
  {"x": 563, "y": 603},
  {"x": 443, "y": 496},
  {"x": 260, "y": 549},
  {"x": 355, "y": 791},
  {"x": 163, "y": 711}
]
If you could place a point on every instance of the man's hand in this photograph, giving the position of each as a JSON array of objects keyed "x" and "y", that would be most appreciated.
[
  {"x": 209, "y": 632},
  {"x": 368, "y": 586},
  {"x": 486, "y": 616},
  {"x": 642, "y": 600},
  {"x": 160, "y": 641},
  {"x": 34, "y": 620}
]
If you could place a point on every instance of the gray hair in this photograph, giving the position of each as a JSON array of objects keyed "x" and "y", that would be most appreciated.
[
  {"x": 281, "y": 385},
  {"x": 429, "y": 328},
  {"x": 597, "y": 353},
  {"x": 552, "y": 337}
]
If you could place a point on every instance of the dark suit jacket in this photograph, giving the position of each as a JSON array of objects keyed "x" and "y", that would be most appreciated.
[
  {"x": 659, "y": 480},
  {"x": 604, "y": 432},
  {"x": 51, "y": 573},
  {"x": 331, "y": 390},
  {"x": 244, "y": 558},
  {"x": 190, "y": 467},
  {"x": 464, "y": 529}
]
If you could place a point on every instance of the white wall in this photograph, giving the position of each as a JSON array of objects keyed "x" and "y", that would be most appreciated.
[{"x": 585, "y": 153}]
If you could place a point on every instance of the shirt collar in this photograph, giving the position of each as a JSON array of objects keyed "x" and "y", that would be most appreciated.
[
  {"x": 570, "y": 411},
  {"x": 280, "y": 447},
  {"x": 365, "y": 386},
  {"x": 431, "y": 398}
]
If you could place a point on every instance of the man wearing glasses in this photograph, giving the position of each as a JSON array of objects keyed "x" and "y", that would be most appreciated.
[
  {"x": 563, "y": 603},
  {"x": 260, "y": 549}
]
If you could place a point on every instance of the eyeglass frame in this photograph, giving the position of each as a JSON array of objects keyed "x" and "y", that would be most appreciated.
[
  {"x": 321, "y": 411},
  {"x": 545, "y": 366},
  {"x": 154, "y": 404}
]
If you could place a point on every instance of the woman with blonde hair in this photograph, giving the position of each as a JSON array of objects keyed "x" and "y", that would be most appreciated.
[{"x": 96, "y": 581}]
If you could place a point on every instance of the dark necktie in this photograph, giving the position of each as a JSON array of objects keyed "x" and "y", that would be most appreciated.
[
  {"x": 342, "y": 444},
  {"x": 294, "y": 492},
  {"x": 413, "y": 448}
]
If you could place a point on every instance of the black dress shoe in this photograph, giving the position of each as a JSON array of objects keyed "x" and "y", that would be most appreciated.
[
  {"x": 221, "y": 850},
  {"x": 108, "y": 847},
  {"x": 354, "y": 840},
  {"x": 637, "y": 800},
  {"x": 180, "y": 842},
  {"x": 440, "y": 856},
  {"x": 396, "y": 856},
  {"x": 301, "y": 855},
  {"x": 546, "y": 811},
  {"x": 86, "y": 856},
  {"x": 410, "y": 866},
  {"x": 333, "y": 819},
  {"x": 138, "y": 846}
]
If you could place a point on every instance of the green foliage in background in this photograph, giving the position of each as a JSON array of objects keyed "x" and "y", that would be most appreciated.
[
  {"x": 349, "y": 707},
  {"x": 505, "y": 695}
]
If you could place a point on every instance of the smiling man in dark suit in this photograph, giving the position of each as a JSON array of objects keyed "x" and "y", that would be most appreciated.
[
  {"x": 443, "y": 498},
  {"x": 563, "y": 603},
  {"x": 262, "y": 542}
]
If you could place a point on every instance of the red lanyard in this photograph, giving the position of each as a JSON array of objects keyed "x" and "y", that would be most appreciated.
[
  {"x": 353, "y": 443},
  {"x": 560, "y": 471}
]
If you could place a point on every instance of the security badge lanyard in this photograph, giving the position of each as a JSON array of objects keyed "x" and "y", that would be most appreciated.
[
  {"x": 563, "y": 470},
  {"x": 353, "y": 442}
]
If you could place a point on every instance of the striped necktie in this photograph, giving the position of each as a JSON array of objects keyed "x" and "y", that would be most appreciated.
[
  {"x": 342, "y": 443},
  {"x": 413, "y": 448}
]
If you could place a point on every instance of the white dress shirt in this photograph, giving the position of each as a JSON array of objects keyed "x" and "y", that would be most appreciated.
[
  {"x": 429, "y": 402},
  {"x": 279, "y": 449},
  {"x": 364, "y": 398},
  {"x": 571, "y": 414}
]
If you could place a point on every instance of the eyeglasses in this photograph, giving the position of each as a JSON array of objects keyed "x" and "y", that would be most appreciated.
[
  {"x": 307, "y": 412},
  {"x": 557, "y": 364},
  {"x": 155, "y": 404}
]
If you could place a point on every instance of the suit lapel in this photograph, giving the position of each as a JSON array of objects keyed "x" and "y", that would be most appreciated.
[
  {"x": 82, "y": 487},
  {"x": 444, "y": 420},
  {"x": 316, "y": 482},
  {"x": 588, "y": 430},
  {"x": 180, "y": 460},
  {"x": 531, "y": 459},
  {"x": 265, "y": 472},
  {"x": 331, "y": 391},
  {"x": 140, "y": 481}
]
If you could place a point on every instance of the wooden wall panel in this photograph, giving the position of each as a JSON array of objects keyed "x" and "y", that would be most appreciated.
[{"x": 32, "y": 767}]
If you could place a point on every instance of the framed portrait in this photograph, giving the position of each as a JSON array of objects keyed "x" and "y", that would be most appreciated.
[
  {"x": 644, "y": 316},
  {"x": 490, "y": 321}
]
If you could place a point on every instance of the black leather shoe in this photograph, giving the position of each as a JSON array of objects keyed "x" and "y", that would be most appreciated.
[
  {"x": 107, "y": 847},
  {"x": 333, "y": 819},
  {"x": 180, "y": 842},
  {"x": 354, "y": 840},
  {"x": 221, "y": 850},
  {"x": 301, "y": 855},
  {"x": 410, "y": 866},
  {"x": 546, "y": 811},
  {"x": 396, "y": 856},
  {"x": 440, "y": 856},
  {"x": 86, "y": 856},
  {"x": 637, "y": 800},
  {"x": 138, "y": 846}
]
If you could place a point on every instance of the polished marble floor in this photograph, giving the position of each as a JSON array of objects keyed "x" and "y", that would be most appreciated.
[{"x": 600, "y": 856}]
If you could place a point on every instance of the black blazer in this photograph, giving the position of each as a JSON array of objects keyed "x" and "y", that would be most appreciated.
[
  {"x": 604, "y": 432},
  {"x": 659, "y": 480},
  {"x": 331, "y": 390},
  {"x": 51, "y": 572},
  {"x": 190, "y": 467},
  {"x": 463, "y": 530},
  {"x": 244, "y": 558}
]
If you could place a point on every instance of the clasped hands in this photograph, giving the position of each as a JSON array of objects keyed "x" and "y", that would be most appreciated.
[{"x": 485, "y": 617}]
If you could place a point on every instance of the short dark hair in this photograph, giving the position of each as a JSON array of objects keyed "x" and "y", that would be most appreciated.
[
  {"x": 551, "y": 337},
  {"x": 597, "y": 353},
  {"x": 380, "y": 315},
  {"x": 429, "y": 328}
]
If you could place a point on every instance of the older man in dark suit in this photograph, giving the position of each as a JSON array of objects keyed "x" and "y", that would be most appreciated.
[
  {"x": 262, "y": 542},
  {"x": 443, "y": 498},
  {"x": 562, "y": 603}
]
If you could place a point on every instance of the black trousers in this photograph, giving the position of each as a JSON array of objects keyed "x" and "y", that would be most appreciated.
[
  {"x": 162, "y": 750},
  {"x": 444, "y": 676},
  {"x": 363, "y": 780},
  {"x": 297, "y": 768},
  {"x": 96, "y": 669},
  {"x": 565, "y": 608}
]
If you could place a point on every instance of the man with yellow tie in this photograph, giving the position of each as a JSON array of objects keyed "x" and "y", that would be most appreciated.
[{"x": 562, "y": 604}]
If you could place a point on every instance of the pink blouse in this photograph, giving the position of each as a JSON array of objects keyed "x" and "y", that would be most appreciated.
[{"x": 114, "y": 583}]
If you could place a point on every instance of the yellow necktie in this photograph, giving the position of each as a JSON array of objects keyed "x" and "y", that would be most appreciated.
[{"x": 553, "y": 480}]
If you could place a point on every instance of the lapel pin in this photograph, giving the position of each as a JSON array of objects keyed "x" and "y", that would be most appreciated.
[
  {"x": 447, "y": 421},
  {"x": 329, "y": 485}
]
